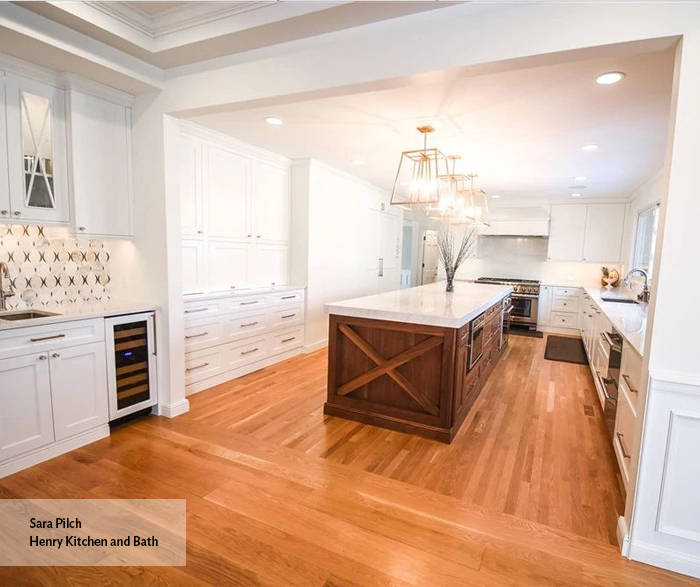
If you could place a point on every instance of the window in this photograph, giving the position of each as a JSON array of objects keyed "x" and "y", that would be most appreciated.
[{"x": 645, "y": 241}]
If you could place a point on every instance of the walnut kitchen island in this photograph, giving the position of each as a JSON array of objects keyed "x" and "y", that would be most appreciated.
[{"x": 401, "y": 359}]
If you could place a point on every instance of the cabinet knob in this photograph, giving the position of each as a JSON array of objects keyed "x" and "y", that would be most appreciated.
[
  {"x": 4, "y": 212},
  {"x": 200, "y": 232},
  {"x": 18, "y": 213},
  {"x": 42, "y": 357},
  {"x": 259, "y": 236},
  {"x": 81, "y": 228},
  {"x": 250, "y": 235},
  {"x": 56, "y": 355}
]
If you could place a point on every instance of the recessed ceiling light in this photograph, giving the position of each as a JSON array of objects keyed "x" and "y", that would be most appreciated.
[
  {"x": 357, "y": 161},
  {"x": 273, "y": 120},
  {"x": 591, "y": 147},
  {"x": 495, "y": 196},
  {"x": 575, "y": 195},
  {"x": 580, "y": 178},
  {"x": 612, "y": 77}
]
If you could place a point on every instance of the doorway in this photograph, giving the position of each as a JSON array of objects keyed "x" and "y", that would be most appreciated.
[{"x": 429, "y": 264}]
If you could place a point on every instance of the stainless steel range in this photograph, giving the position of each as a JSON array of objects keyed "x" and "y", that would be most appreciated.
[{"x": 526, "y": 295}]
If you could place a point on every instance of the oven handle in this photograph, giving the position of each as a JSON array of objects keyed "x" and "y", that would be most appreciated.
[{"x": 525, "y": 296}]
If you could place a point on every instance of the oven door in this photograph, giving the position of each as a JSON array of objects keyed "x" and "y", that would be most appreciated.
[
  {"x": 524, "y": 309},
  {"x": 476, "y": 346}
]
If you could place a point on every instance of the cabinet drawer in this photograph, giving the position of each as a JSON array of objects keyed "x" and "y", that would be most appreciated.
[
  {"x": 251, "y": 303},
  {"x": 33, "y": 339},
  {"x": 243, "y": 353},
  {"x": 563, "y": 320},
  {"x": 239, "y": 326},
  {"x": 287, "y": 297},
  {"x": 624, "y": 434},
  {"x": 280, "y": 342},
  {"x": 202, "y": 364},
  {"x": 566, "y": 292},
  {"x": 203, "y": 333},
  {"x": 289, "y": 316},
  {"x": 196, "y": 310},
  {"x": 565, "y": 304}
]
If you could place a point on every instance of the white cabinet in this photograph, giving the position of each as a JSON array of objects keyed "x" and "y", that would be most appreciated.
[
  {"x": 191, "y": 197},
  {"x": 271, "y": 202},
  {"x": 380, "y": 245},
  {"x": 544, "y": 306},
  {"x": 36, "y": 150},
  {"x": 229, "y": 265},
  {"x": 566, "y": 232},
  {"x": 271, "y": 264},
  {"x": 79, "y": 389},
  {"x": 227, "y": 189},
  {"x": 100, "y": 164},
  {"x": 26, "y": 421},
  {"x": 603, "y": 237},
  {"x": 193, "y": 277},
  {"x": 586, "y": 232},
  {"x": 4, "y": 179}
]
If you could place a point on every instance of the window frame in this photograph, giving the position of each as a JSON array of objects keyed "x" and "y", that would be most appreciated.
[{"x": 638, "y": 247}]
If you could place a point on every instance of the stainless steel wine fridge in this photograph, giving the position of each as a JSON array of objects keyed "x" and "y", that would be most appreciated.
[{"x": 131, "y": 363}]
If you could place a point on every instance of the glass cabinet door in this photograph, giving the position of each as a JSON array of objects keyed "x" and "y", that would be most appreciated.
[{"x": 37, "y": 149}]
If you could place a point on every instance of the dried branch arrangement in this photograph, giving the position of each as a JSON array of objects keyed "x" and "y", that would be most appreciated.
[{"x": 452, "y": 256}]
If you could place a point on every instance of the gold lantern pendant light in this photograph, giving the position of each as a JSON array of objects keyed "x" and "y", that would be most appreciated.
[
  {"x": 476, "y": 208},
  {"x": 453, "y": 193},
  {"x": 417, "y": 182}
]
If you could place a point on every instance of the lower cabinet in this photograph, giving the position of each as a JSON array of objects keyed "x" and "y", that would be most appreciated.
[
  {"x": 26, "y": 418},
  {"x": 559, "y": 307},
  {"x": 79, "y": 389}
]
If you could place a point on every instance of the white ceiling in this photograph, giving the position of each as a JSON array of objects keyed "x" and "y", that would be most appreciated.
[
  {"x": 156, "y": 8},
  {"x": 520, "y": 130}
]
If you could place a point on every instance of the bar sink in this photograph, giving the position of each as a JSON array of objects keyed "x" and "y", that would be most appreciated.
[{"x": 28, "y": 315}]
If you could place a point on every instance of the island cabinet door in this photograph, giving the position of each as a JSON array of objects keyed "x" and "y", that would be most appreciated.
[
  {"x": 461, "y": 370},
  {"x": 392, "y": 374}
]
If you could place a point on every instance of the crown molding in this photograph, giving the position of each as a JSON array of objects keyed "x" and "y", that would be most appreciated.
[{"x": 96, "y": 89}]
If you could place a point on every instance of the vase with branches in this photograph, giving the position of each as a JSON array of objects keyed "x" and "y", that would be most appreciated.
[{"x": 452, "y": 251}]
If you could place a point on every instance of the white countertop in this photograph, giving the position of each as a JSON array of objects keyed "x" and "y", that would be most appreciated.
[
  {"x": 425, "y": 304},
  {"x": 234, "y": 293},
  {"x": 69, "y": 312},
  {"x": 630, "y": 320}
]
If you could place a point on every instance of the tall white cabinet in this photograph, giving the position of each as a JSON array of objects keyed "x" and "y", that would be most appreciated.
[{"x": 235, "y": 214}]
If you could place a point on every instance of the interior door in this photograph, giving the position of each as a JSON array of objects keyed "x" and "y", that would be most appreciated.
[
  {"x": 26, "y": 420},
  {"x": 227, "y": 186},
  {"x": 430, "y": 257},
  {"x": 36, "y": 139},
  {"x": 79, "y": 388}
]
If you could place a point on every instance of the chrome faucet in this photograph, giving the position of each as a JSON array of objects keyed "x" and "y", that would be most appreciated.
[
  {"x": 4, "y": 272},
  {"x": 643, "y": 296}
]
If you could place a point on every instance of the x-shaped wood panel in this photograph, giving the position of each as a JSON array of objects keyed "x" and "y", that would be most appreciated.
[{"x": 388, "y": 367}]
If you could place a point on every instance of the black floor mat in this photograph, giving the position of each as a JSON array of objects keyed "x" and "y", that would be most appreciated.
[
  {"x": 525, "y": 331},
  {"x": 565, "y": 349}
]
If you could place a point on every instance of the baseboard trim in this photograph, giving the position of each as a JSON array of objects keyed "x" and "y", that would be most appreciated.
[
  {"x": 623, "y": 536},
  {"x": 556, "y": 330},
  {"x": 52, "y": 450},
  {"x": 315, "y": 346},
  {"x": 173, "y": 410},
  {"x": 665, "y": 559}
]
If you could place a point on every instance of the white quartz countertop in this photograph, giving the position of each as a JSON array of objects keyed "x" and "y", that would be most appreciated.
[
  {"x": 234, "y": 293},
  {"x": 630, "y": 320},
  {"x": 70, "y": 312},
  {"x": 425, "y": 304}
]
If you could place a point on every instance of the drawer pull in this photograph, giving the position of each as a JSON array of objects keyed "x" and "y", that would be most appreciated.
[
  {"x": 250, "y": 351},
  {"x": 288, "y": 316},
  {"x": 629, "y": 383},
  {"x": 197, "y": 367},
  {"x": 196, "y": 310},
  {"x": 288, "y": 339},
  {"x": 249, "y": 303},
  {"x": 625, "y": 454},
  {"x": 47, "y": 337},
  {"x": 195, "y": 335},
  {"x": 288, "y": 297},
  {"x": 249, "y": 324}
]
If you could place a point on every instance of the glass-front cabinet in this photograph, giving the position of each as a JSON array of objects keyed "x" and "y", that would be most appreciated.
[{"x": 36, "y": 150}]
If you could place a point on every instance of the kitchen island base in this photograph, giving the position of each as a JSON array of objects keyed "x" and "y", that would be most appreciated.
[{"x": 407, "y": 377}]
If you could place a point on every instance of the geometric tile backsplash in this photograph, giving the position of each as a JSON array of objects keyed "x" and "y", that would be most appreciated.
[{"x": 50, "y": 268}]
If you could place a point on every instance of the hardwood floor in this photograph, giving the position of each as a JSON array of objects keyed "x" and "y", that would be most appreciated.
[{"x": 279, "y": 495}]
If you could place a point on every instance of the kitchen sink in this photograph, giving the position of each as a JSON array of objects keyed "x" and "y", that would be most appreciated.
[
  {"x": 28, "y": 315},
  {"x": 618, "y": 300}
]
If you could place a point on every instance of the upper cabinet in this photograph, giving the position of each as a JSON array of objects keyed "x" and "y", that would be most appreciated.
[
  {"x": 235, "y": 214},
  {"x": 100, "y": 165},
  {"x": 65, "y": 154},
  {"x": 586, "y": 232},
  {"x": 36, "y": 151},
  {"x": 567, "y": 226}
]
